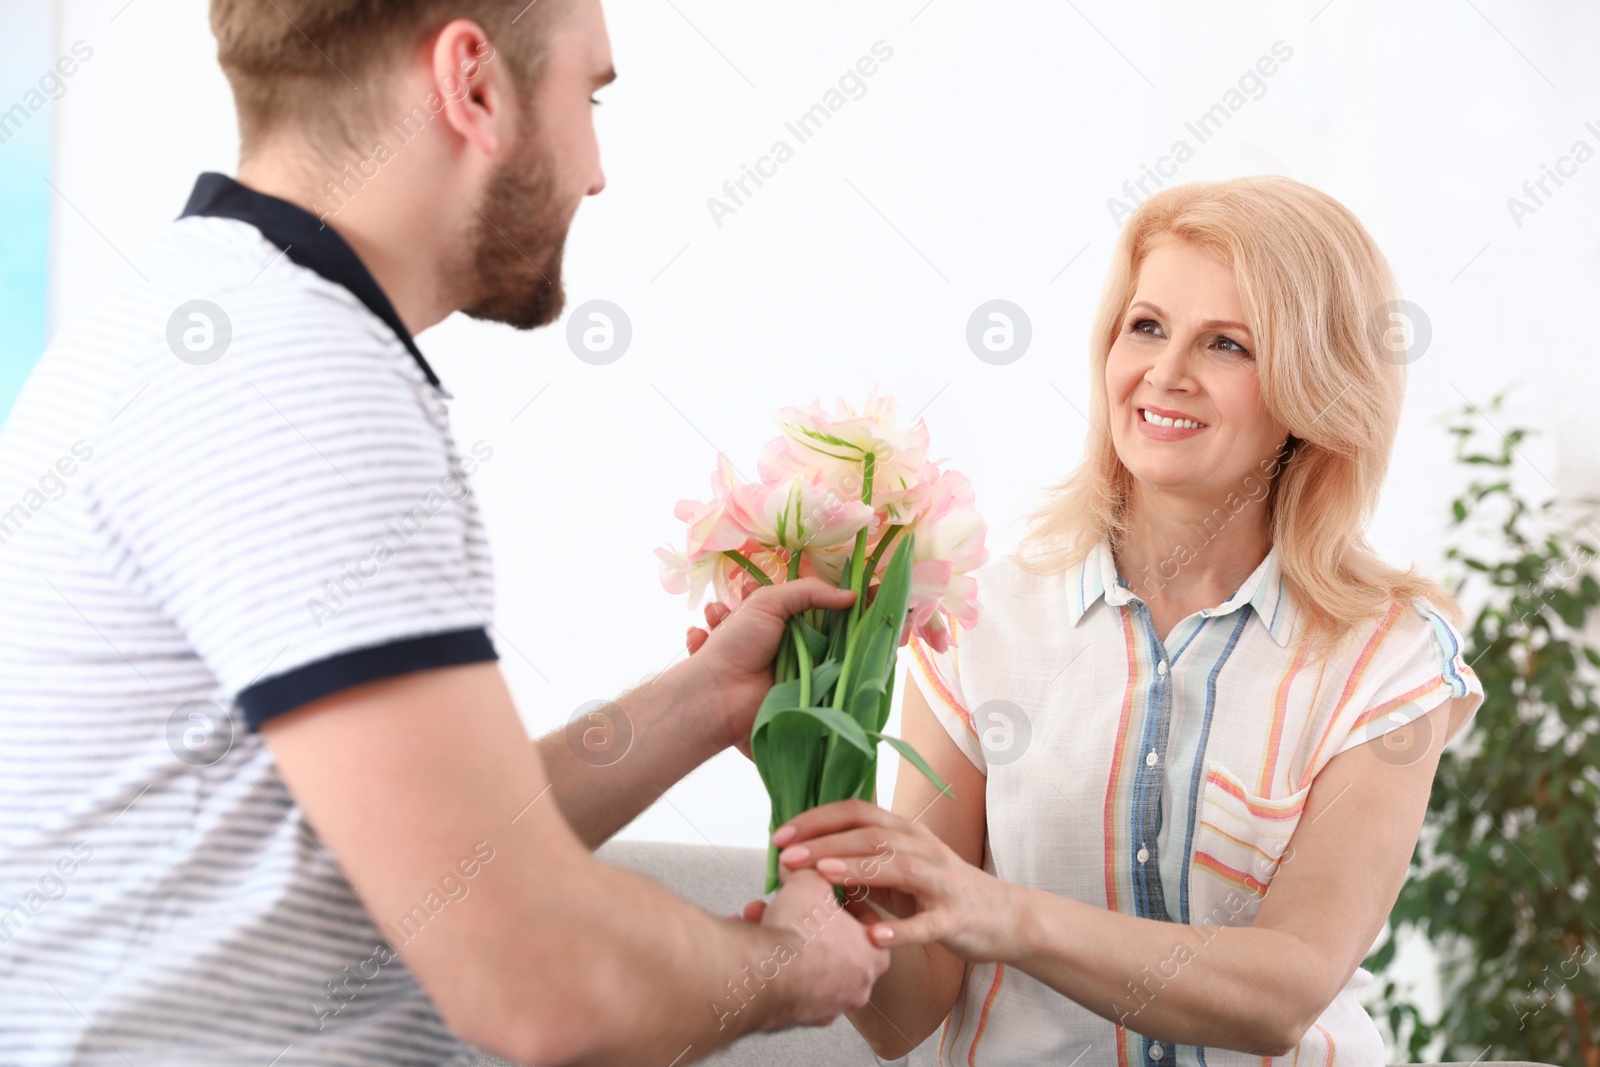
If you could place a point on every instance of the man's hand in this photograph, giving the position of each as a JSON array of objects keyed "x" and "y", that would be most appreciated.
[
  {"x": 827, "y": 965},
  {"x": 734, "y": 654},
  {"x": 931, "y": 893}
]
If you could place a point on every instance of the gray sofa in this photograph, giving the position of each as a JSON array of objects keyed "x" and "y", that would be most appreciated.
[{"x": 722, "y": 880}]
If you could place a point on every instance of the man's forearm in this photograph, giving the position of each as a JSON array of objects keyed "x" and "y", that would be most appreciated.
[
  {"x": 612, "y": 764},
  {"x": 583, "y": 963},
  {"x": 671, "y": 983}
]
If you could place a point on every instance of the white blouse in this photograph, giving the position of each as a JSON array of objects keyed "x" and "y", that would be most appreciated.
[{"x": 1159, "y": 778}]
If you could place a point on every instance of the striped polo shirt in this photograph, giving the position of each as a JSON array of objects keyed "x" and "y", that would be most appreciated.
[
  {"x": 1159, "y": 778},
  {"x": 228, "y": 491}
]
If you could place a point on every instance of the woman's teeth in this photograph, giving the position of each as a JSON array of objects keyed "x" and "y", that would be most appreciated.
[{"x": 1161, "y": 420}]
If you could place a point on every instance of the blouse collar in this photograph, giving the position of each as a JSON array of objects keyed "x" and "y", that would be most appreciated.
[{"x": 1265, "y": 591}]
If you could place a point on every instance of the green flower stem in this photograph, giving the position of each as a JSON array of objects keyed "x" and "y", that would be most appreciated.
[
  {"x": 803, "y": 656},
  {"x": 780, "y": 668},
  {"x": 850, "y": 641},
  {"x": 801, "y": 651},
  {"x": 858, "y": 557},
  {"x": 883, "y": 545},
  {"x": 741, "y": 560},
  {"x": 857, "y": 564}
]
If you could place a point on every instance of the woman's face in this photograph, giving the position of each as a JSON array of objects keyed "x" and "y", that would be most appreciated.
[{"x": 1182, "y": 352}]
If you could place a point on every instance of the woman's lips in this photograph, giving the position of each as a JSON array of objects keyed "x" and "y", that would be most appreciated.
[{"x": 1157, "y": 432}]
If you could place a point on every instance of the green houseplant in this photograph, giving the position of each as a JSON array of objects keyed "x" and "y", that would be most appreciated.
[{"x": 1504, "y": 879}]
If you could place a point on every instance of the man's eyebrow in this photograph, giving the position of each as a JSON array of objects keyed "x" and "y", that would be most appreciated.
[
  {"x": 1207, "y": 325},
  {"x": 606, "y": 78}
]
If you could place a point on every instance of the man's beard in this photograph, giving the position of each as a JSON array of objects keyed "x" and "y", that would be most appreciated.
[{"x": 517, "y": 245}]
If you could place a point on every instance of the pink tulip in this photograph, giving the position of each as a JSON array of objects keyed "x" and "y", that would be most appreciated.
[
  {"x": 949, "y": 545},
  {"x": 835, "y": 446},
  {"x": 809, "y": 502},
  {"x": 801, "y": 514}
]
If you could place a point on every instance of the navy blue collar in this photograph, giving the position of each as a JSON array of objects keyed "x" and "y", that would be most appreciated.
[{"x": 305, "y": 239}]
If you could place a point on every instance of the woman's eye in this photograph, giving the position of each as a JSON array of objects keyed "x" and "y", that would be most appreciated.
[
  {"x": 1146, "y": 326},
  {"x": 593, "y": 101},
  {"x": 1234, "y": 346}
]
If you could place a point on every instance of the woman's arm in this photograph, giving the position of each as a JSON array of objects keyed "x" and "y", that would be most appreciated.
[
  {"x": 919, "y": 989},
  {"x": 1256, "y": 988}
]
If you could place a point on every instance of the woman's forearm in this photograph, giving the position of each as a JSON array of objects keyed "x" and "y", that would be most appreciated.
[
  {"x": 909, "y": 1002},
  {"x": 1226, "y": 986}
]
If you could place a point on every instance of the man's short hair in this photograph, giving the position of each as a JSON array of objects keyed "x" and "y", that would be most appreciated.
[{"x": 322, "y": 67}]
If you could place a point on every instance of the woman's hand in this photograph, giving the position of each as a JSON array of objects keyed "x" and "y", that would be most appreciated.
[{"x": 912, "y": 874}]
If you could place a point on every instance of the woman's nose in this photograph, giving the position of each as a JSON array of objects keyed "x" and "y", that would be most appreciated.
[{"x": 1170, "y": 370}]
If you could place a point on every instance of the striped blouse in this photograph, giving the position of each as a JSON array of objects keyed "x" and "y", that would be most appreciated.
[{"x": 1159, "y": 778}]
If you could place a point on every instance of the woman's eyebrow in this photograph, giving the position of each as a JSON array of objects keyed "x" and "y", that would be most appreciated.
[{"x": 1207, "y": 325}]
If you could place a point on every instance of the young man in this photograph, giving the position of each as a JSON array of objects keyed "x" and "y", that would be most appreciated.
[{"x": 264, "y": 796}]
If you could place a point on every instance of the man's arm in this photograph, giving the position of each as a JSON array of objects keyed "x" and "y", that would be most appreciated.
[
  {"x": 611, "y": 764},
  {"x": 617, "y": 760},
  {"x": 547, "y": 955}
]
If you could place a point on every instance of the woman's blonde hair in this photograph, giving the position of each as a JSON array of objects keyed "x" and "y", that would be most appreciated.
[{"x": 1316, "y": 293}]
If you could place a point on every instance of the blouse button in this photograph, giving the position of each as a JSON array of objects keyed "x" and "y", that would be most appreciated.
[
  {"x": 1155, "y": 1052},
  {"x": 1161, "y": 668},
  {"x": 1142, "y": 855},
  {"x": 1150, "y": 758}
]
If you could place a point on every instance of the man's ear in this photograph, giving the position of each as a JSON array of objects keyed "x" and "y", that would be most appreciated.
[{"x": 474, "y": 90}]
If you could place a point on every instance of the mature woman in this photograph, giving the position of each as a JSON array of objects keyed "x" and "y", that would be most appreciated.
[{"x": 1191, "y": 741}]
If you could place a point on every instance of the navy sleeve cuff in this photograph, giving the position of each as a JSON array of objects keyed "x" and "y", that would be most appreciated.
[{"x": 285, "y": 692}]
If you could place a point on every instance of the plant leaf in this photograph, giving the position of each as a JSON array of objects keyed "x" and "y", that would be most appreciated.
[
  {"x": 823, "y": 675},
  {"x": 843, "y": 774},
  {"x": 915, "y": 759},
  {"x": 847, "y": 728},
  {"x": 816, "y": 641}
]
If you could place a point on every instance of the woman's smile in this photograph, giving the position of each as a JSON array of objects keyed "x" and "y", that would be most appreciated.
[{"x": 1164, "y": 424}]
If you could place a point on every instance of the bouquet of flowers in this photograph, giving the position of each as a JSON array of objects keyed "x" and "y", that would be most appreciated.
[{"x": 836, "y": 494}]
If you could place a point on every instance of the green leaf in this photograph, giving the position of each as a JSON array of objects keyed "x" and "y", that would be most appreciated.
[
  {"x": 823, "y": 675},
  {"x": 786, "y": 753},
  {"x": 843, "y": 773},
  {"x": 872, "y": 673},
  {"x": 869, "y": 780},
  {"x": 894, "y": 593},
  {"x": 915, "y": 759},
  {"x": 816, "y": 641},
  {"x": 887, "y": 704},
  {"x": 787, "y": 749},
  {"x": 782, "y": 695},
  {"x": 834, "y": 719}
]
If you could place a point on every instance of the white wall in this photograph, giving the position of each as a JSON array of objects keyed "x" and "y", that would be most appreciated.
[{"x": 977, "y": 165}]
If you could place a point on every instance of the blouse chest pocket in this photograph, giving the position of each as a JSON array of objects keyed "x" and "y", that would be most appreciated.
[{"x": 1239, "y": 843}]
